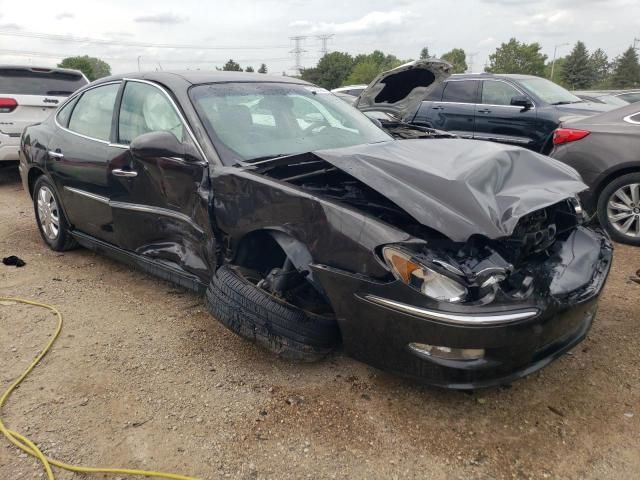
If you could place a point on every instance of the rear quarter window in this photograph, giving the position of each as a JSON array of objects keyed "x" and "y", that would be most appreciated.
[
  {"x": 17, "y": 81},
  {"x": 635, "y": 118}
]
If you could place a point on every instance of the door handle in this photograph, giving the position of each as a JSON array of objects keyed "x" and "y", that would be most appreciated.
[
  {"x": 117, "y": 172},
  {"x": 484, "y": 111},
  {"x": 437, "y": 107},
  {"x": 56, "y": 155}
]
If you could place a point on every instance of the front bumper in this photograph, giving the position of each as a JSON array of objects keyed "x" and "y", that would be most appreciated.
[{"x": 377, "y": 327}]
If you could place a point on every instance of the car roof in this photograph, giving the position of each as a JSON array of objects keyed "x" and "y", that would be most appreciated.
[
  {"x": 512, "y": 76},
  {"x": 197, "y": 77},
  {"x": 40, "y": 69}
]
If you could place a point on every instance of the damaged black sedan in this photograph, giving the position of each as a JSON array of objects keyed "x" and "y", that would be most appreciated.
[{"x": 457, "y": 263}]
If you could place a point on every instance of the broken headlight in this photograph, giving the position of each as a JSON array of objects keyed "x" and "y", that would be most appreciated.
[{"x": 422, "y": 278}]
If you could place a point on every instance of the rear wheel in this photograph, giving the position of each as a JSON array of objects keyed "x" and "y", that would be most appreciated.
[
  {"x": 240, "y": 299},
  {"x": 619, "y": 208},
  {"x": 51, "y": 220}
]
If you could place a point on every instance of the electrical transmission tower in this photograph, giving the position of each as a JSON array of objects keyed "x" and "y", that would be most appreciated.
[
  {"x": 324, "y": 39},
  {"x": 471, "y": 56},
  {"x": 635, "y": 42},
  {"x": 297, "y": 52}
]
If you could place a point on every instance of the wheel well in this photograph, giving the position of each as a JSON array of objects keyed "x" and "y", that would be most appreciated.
[
  {"x": 34, "y": 174},
  {"x": 611, "y": 177},
  {"x": 259, "y": 251}
]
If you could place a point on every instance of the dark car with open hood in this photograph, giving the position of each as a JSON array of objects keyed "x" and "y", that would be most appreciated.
[{"x": 457, "y": 263}]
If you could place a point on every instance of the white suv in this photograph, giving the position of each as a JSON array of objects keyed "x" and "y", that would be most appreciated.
[{"x": 28, "y": 95}]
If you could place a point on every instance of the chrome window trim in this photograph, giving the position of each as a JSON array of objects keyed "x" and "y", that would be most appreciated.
[
  {"x": 486, "y": 104},
  {"x": 629, "y": 119},
  {"x": 55, "y": 117},
  {"x": 175, "y": 107},
  {"x": 453, "y": 318},
  {"x": 138, "y": 208}
]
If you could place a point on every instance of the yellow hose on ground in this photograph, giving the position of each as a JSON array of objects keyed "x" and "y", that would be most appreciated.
[{"x": 31, "y": 448}]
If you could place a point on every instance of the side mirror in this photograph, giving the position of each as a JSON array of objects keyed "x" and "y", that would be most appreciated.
[
  {"x": 522, "y": 101},
  {"x": 160, "y": 144}
]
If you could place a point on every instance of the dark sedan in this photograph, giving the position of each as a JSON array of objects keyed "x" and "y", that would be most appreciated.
[
  {"x": 605, "y": 149},
  {"x": 458, "y": 263}
]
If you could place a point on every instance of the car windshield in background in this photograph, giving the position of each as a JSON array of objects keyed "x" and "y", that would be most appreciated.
[
  {"x": 630, "y": 97},
  {"x": 251, "y": 121},
  {"x": 17, "y": 81},
  {"x": 548, "y": 91}
]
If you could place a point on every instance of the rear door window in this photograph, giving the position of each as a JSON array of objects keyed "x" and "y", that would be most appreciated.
[
  {"x": 18, "y": 81},
  {"x": 461, "y": 91},
  {"x": 93, "y": 113}
]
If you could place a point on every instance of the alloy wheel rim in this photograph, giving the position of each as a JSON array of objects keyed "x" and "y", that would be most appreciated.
[
  {"x": 623, "y": 210},
  {"x": 48, "y": 213}
]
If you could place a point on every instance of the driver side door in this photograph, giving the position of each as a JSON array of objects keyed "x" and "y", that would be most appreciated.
[{"x": 160, "y": 202}]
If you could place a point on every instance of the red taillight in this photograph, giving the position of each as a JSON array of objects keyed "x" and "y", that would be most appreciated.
[
  {"x": 8, "y": 105},
  {"x": 566, "y": 135}
]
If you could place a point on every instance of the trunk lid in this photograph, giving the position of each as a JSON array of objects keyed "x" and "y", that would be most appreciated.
[{"x": 401, "y": 91}]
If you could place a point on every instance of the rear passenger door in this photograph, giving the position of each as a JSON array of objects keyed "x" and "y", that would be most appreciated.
[
  {"x": 455, "y": 112},
  {"x": 499, "y": 121},
  {"x": 80, "y": 154}
]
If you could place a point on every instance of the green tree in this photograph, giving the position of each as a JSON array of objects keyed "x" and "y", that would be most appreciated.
[
  {"x": 576, "y": 72},
  {"x": 249, "y": 69},
  {"x": 231, "y": 66},
  {"x": 363, "y": 72},
  {"x": 557, "y": 78},
  {"x": 263, "y": 68},
  {"x": 331, "y": 71},
  {"x": 457, "y": 58},
  {"x": 626, "y": 71},
  {"x": 92, "y": 67},
  {"x": 517, "y": 57},
  {"x": 369, "y": 66},
  {"x": 424, "y": 53},
  {"x": 600, "y": 68}
]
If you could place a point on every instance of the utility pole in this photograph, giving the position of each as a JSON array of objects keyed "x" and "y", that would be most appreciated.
[
  {"x": 324, "y": 39},
  {"x": 553, "y": 63},
  {"x": 297, "y": 52},
  {"x": 471, "y": 56}
]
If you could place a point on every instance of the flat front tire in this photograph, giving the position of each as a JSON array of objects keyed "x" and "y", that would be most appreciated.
[{"x": 253, "y": 313}]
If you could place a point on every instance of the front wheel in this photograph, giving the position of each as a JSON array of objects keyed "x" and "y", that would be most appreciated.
[
  {"x": 235, "y": 300},
  {"x": 51, "y": 220},
  {"x": 619, "y": 209}
]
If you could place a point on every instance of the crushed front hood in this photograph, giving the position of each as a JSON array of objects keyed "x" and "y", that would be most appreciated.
[
  {"x": 401, "y": 90},
  {"x": 459, "y": 187}
]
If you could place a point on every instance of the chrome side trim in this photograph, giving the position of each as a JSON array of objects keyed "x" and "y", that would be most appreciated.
[
  {"x": 453, "y": 318},
  {"x": 158, "y": 211},
  {"x": 629, "y": 118},
  {"x": 138, "y": 208},
  {"x": 92, "y": 196}
]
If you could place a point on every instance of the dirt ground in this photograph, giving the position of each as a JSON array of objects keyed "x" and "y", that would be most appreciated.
[{"x": 143, "y": 377}]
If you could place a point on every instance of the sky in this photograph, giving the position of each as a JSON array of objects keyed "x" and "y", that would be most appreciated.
[{"x": 145, "y": 34}]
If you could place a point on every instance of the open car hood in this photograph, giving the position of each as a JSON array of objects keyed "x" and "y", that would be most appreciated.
[
  {"x": 459, "y": 187},
  {"x": 401, "y": 90}
]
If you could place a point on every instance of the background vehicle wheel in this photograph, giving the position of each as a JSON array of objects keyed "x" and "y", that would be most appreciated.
[
  {"x": 51, "y": 220},
  {"x": 234, "y": 298},
  {"x": 619, "y": 209}
]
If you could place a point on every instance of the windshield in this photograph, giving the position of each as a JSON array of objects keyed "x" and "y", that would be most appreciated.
[
  {"x": 16, "y": 81},
  {"x": 548, "y": 91},
  {"x": 251, "y": 121}
]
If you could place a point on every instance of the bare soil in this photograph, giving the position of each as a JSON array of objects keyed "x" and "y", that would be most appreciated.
[{"x": 143, "y": 377}]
